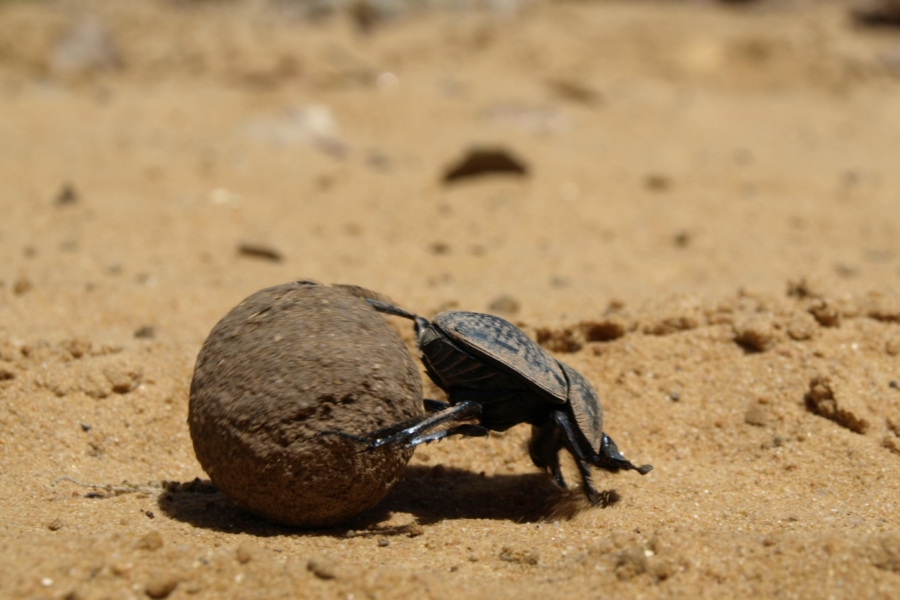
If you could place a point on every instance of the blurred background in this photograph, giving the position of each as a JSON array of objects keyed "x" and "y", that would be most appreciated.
[
  {"x": 162, "y": 159},
  {"x": 696, "y": 204}
]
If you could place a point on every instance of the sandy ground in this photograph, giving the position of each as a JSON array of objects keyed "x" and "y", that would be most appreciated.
[{"x": 708, "y": 230}]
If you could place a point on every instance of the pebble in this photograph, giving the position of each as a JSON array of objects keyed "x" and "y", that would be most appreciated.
[
  {"x": 245, "y": 552},
  {"x": 485, "y": 161},
  {"x": 505, "y": 305},
  {"x": 150, "y": 541},
  {"x": 55, "y": 525},
  {"x": 259, "y": 250},
  {"x": 756, "y": 415},
  {"x": 161, "y": 586},
  {"x": 322, "y": 567}
]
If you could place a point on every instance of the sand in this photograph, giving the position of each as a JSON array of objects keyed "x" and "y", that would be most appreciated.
[{"x": 705, "y": 225}]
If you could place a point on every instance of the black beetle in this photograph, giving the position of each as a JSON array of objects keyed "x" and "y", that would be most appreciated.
[{"x": 497, "y": 376}]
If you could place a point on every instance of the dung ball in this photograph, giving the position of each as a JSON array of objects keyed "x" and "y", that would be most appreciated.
[{"x": 285, "y": 365}]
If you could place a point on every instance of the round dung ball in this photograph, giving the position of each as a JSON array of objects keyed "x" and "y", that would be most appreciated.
[{"x": 285, "y": 365}]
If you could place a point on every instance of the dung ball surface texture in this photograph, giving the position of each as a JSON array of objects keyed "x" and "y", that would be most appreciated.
[{"x": 285, "y": 365}]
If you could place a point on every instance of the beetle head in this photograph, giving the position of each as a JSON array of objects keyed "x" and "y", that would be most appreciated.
[{"x": 611, "y": 459}]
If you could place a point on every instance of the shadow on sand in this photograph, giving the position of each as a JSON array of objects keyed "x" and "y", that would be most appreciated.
[{"x": 430, "y": 494}]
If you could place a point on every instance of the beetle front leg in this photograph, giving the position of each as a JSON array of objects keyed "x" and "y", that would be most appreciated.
[
  {"x": 404, "y": 437},
  {"x": 466, "y": 430},
  {"x": 458, "y": 412}
]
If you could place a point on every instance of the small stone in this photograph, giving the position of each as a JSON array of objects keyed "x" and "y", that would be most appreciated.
[
  {"x": 756, "y": 415},
  {"x": 22, "y": 286},
  {"x": 145, "y": 332},
  {"x": 322, "y": 567},
  {"x": 439, "y": 248},
  {"x": 161, "y": 586},
  {"x": 657, "y": 182},
  {"x": 259, "y": 250},
  {"x": 150, "y": 541},
  {"x": 756, "y": 334},
  {"x": 802, "y": 326},
  {"x": 485, "y": 161},
  {"x": 122, "y": 379},
  {"x": 892, "y": 346},
  {"x": 826, "y": 314},
  {"x": 575, "y": 91},
  {"x": 55, "y": 525},
  {"x": 527, "y": 557},
  {"x": 67, "y": 195},
  {"x": 505, "y": 305},
  {"x": 884, "y": 552},
  {"x": 77, "y": 347},
  {"x": 630, "y": 563},
  {"x": 193, "y": 588},
  {"x": 384, "y": 542},
  {"x": 846, "y": 410},
  {"x": 245, "y": 552}
]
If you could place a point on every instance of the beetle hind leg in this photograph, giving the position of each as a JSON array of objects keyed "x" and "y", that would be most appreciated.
[
  {"x": 570, "y": 442},
  {"x": 544, "y": 448}
]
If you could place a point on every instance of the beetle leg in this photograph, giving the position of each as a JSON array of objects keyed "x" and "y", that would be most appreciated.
[
  {"x": 571, "y": 444},
  {"x": 433, "y": 406},
  {"x": 558, "y": 476},
  {"x": 466, "y": 429},
  {"x": 391, "y": 309},
  {"x": 544, "y": 449},
  {"x": 458, "y": 412}
]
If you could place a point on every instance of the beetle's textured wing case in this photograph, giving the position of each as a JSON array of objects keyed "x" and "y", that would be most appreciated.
[
  {"x": 585, "y": 406},
  {"x": 503, "y": 343}
]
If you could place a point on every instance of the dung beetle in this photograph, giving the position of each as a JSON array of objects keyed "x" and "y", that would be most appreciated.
[{"x": 498, "y": 377}]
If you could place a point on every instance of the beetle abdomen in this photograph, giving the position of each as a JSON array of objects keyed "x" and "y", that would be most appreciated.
[{"x": 450, "y": 367}]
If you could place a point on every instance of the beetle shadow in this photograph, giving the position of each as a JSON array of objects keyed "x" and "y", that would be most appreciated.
[{"x": 430, "y": 494}]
